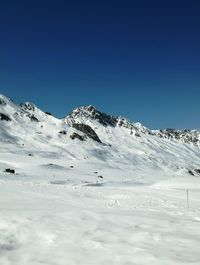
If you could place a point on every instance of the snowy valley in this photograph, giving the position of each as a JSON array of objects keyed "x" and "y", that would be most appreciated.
[{"x": 92, "y": 188}]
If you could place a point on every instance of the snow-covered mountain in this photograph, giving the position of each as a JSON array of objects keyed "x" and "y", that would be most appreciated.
[
  {"x": 90, "y": 115},
  {"x": 96, "y": 189},
  {"x": 95, "y": 141}
]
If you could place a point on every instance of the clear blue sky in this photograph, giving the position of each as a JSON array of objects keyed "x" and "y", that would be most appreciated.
[{"x": 140, "y": 59}]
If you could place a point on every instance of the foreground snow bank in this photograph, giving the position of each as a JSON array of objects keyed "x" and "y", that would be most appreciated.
[{"x": 66, "y": 224}]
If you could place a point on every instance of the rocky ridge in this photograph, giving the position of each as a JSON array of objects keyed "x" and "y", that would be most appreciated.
[
  {"x": 86, "y": 120},
  {"x": 90, "y": 114}
]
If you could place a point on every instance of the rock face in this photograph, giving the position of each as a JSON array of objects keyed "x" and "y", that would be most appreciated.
[
  {"x": 187, "y": 136},
  {"x": 87, "y": 130},
  {"x": 2, "y": 102},
  {"x": 92, "y": 113},
  {"x": 28, "y": 106},
  {"x": 33, "y": 118},
  {"x": 137, "y": 127},
  {"x": 4, "y": 117},
  {"x": 77, "y": 136}
]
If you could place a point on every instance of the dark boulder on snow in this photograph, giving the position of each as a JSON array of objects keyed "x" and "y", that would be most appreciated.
[
  {"x": 8, "y": 170},
  {"x": 63, "y": 132}
]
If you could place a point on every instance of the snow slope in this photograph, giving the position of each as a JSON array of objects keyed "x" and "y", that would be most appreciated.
[{"x": 122, "y": 200}]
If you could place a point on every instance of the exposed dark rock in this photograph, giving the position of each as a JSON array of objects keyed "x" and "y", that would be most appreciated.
[
  {"x": 187, "y": 136},
  {"x": 8, "y": 170},
  {"x": 28, "y": 106},
  {"x": 48, "y": 113},
  {"x": 71, "y": 166},
  {"x": 101, "y": 177},
  {"x": 93, "y": 113},
  {"x": 124, "y": 123},
  {"x": 187, "y": 131},
  {"x": 33, "y": 118},
  {"x": 77, "y": 136},
  {"x": 102, "y": 118},
  {"x": 87, "y": 130},
  {"x": 63, "y": 132},
  {"x": 197, "y": 170},
  {"x": 190, "y": 172},
  {"x": 2, "y": 102},
  {"x": 4, "y": 117},
  {"x": 170, "y": 130}
]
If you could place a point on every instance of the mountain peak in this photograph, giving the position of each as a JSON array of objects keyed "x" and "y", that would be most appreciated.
[
  {"x": 28, "y": 106},
  {"x": 90, "y": 112}
]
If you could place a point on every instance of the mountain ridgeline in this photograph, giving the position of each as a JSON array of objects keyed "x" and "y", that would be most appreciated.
[
  {"x": 90, "y": 113},
  {"x": 94, "y": 141},
  {"x": 86, "y": 122}
]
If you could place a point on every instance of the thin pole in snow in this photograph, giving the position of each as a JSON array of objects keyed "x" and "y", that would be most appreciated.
[{"x": 187, "y": 198}]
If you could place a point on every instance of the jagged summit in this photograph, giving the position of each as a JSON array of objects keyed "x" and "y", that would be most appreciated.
[
  {"x": 28, "y": 106},
  {"x": 91, "y": 112},
  {"x": 90, "y": 115}
]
